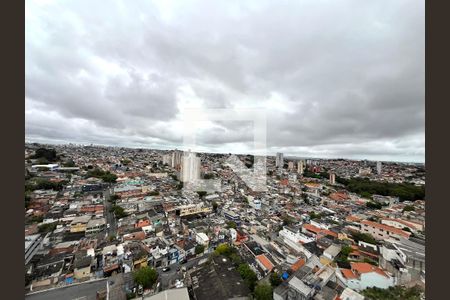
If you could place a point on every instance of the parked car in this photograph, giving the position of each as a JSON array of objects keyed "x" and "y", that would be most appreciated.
[{"x": 166, "y": 269}]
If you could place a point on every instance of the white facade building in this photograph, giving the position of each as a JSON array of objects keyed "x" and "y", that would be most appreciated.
[
  {"x": 190, "y": 169},
  {"x": 279, "y": 161}
]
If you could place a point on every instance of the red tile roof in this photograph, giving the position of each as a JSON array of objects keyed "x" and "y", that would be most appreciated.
[
  {"x": 312, "y": 228},
  {"x": 298, "y": 264},
  {"x": 387, "y": 228},
  {"x": 348, "y": 274},
  {"x": 265, "y": 262},
  {"x": 362, "y": 267}
]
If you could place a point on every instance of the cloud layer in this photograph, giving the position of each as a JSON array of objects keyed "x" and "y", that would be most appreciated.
[{"x": 337, "y": 78}]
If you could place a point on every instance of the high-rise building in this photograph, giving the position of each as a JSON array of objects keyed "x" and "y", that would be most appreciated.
[
  {"x": 177, "y": 157},
  {"x": 279, "y": 161},
  {"x": 379, "y": 167},
  {"x": 300, "y": 167},
  {"x": 332, "y": 178},
  {"x": 190, "y": 169},
  {"x": 166, "y": 159},
  {"x": 291, "y": 165}
]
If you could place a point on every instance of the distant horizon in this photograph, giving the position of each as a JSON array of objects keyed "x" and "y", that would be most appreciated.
[{"x": 286, "y": 156}]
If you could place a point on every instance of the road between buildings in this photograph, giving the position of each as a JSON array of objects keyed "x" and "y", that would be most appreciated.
[
  {"x": 84, "y": 291},
  {"x": 110, "y": 218}
]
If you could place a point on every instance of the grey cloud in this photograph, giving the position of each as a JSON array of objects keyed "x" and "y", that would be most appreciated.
[{"x": 351, "y": 73}]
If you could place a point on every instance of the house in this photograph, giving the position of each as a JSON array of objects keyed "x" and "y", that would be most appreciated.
[
  {"x": 400, "y": 224},
  {"x": 293, "y": 234},
  {"x": 264, "y": 263},
  {"x": 330, "y": 254},
  {"x": 349, "y": 294},
  {"x": 95, "y": 226},
  {"x": 218, "y": 280},
  {"x": 79, "y": 224},
  {"x": 306, "y": 282},
  {"x": 363, "y": 275},
  {"x": 382, "y": 231},
  {"x": 202, "y": 239},
  {"x": 82, "y": 265},
  {"x": 297, "y": 265}
]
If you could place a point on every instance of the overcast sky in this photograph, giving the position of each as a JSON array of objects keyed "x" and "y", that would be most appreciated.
[{"x": 337, "y": 78}]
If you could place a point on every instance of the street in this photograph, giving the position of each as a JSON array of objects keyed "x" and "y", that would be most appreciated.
[
  {"x": 110, "y": 218},
  {"x": 85, "y": 291},
  {"x": 168, "y": 278}
]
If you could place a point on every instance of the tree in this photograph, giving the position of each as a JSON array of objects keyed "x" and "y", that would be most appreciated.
[
  {"x": 215, "y": 206},
  {"x": 118, "y": 211},
  {"x": 275, "y": 279},
  {"x": 201, "y": 194},
  {"x": 373, "y": 205},
  {"x": 224, "y": 249},
  {"x": 392, "y": 293},
  {"x": 153, "y": 193},
  {"x": 408, "y": 208},
  {"x": 288, "y": 220},
  {"x": 231, "y": 224},
  {"x": 236, "y": 259},
  {"x": 199, "y": 249},
  {"x": 145, "y": 276},
  {"x": 248, "y": 275},
  {"x": 114, "y": 198},
  {"x": 70, "y": 163},
  {"x": 48, "y": 227},
  {"x": 208, "y": 176},
  {"x": 365, "y": 237},
  {"x": 105, "y": 176},
  {"x": 126, "y": 162},
  {"x": 263, "y": 291},
  {"x": 48, "y": 154}
]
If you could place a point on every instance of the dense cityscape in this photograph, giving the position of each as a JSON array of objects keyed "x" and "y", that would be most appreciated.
[{"x": 119, "y": 223}]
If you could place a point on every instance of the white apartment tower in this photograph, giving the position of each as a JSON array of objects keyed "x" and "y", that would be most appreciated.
[
  {"x": 190, "y": 169},
  {"x": 177, "y": 157},
  {"x": 379, "y": 167},
  {"x": 279, "y": 161},
  {"x": 300, "y": 167},
  {"x": 332, "y": 178},
  {"x": 291, "y": 165}
]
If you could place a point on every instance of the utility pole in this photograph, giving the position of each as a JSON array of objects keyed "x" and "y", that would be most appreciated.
[{"x": 107, "y": 289}]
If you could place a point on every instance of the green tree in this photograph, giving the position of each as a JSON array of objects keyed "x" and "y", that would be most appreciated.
[
  {"x": 231, "y": 224},
  {"x": 153, "y": 193},
  {"x": 392, "y": 293},
  {"x": 145, "y": 276},
  {"x": 48, "y": 154},
  {"x": 408, "y": 208},
  {"x": 199, "y": 249},
  {"x": 236, "y": 259},
  {"x": 263, "y": 291},
  {"x": 118, "y": 211},
  {"x": 208, "y": 176},
  {"x": 407, "y": 229},
  {"x": 69, "y": 163},
  {"x": 248, "y": 275},
  {"x": 224, "y": 249},
  {"x": 288, "y": 220},
  {"x": 373, "y": 205},
  {"x": 275, "y": 279},
  {"x": 215, "y": 205},
  {"x": 48, "y": 227},
  {"x": 365, "y": 237},
  {"x": 201, "y": 194}
]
